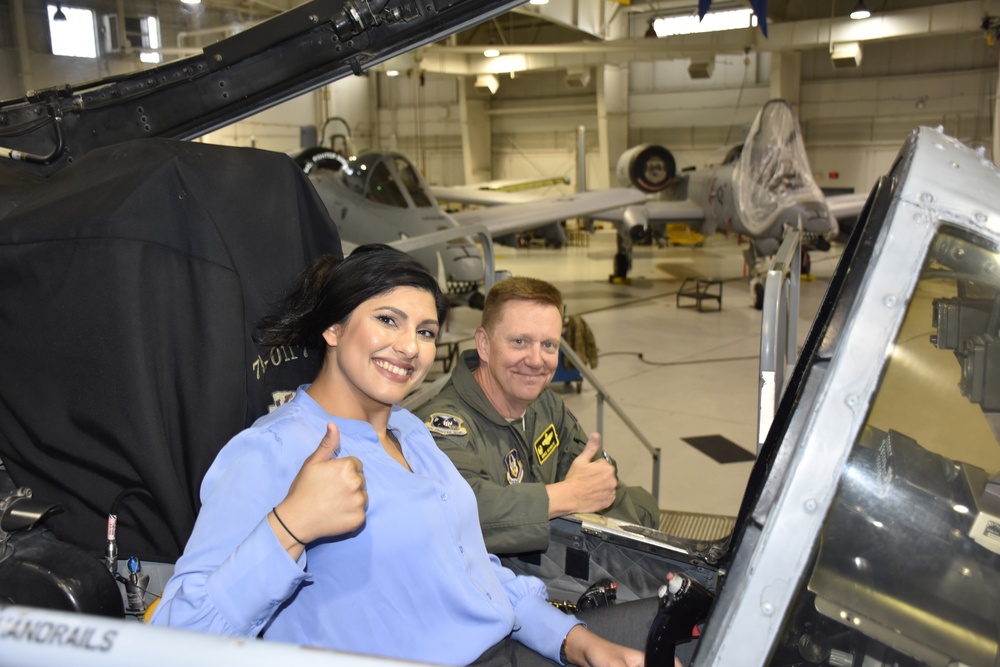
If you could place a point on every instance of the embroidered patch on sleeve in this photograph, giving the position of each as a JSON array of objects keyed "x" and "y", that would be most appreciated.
[
  {"x": 444, "y": 424},
  {"x": 546, "y": 443},
  {"x": 515, "y": 471}
]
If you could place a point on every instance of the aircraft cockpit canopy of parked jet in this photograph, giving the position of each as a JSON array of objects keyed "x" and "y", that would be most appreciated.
[
  {"x": 875, "y": 538},
  {"x": 773, "y": 172},
  {"x": 390, "y": 179}
]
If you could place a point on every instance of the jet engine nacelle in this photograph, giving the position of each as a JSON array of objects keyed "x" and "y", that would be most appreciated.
[{"x": 647, "y": 167}]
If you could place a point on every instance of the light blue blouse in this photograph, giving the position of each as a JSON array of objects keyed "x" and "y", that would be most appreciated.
[{"x": 414, "y": 582}]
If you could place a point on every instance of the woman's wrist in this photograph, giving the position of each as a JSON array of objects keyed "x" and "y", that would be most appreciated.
[
  {"x": 570, "y": 652},
  {"x": 274, "y": 511},
  {"x": 282, "y": 529}
]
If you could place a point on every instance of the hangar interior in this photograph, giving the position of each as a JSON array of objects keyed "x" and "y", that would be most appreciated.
[
  {"x": 899, "y": 571},
  {"x": 687, "y": 378}
]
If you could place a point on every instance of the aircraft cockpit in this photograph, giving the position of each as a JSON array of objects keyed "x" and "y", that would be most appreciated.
[
  {"x": 733, "y": 154},
  {"x": 875, "y": 538},
  {"x": 390, "y": 179}
]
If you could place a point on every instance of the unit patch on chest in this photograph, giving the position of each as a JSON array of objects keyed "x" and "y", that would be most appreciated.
[
  {"x": 445, "y": 424},
  {"x": 546, "y": 443},
  {"x": 512, "y": 463}
]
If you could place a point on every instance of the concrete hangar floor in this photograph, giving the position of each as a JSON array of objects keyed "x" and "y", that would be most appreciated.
[{"x": 687, "y": 378}]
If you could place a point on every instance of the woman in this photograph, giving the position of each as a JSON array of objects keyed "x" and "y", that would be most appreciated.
[{"x": 369, "y": 542}]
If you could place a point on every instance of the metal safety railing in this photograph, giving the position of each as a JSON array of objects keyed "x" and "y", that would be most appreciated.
[
  {"x": 778, "y": 330},
  {"x": 602, "y": 397},
  {"x": 430, "y": 389}
]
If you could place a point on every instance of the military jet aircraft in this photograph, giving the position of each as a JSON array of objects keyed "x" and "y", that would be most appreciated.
[
  {"x": 760, "y": 189},
  {"x": 378, "y": 197}
]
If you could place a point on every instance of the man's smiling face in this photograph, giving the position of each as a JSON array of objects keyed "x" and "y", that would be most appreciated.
[{"x": 518, "y": 358}]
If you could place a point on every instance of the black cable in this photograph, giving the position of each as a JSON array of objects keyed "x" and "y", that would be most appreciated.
[
  {"x": 679, "y": 363},
  {"x": 17, "y": 131},
  {"x": 125, "y": 493}
]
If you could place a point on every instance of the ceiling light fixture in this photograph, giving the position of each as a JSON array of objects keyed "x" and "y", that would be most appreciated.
[
  {"x": 59, "y": 15},
  {"x": 392, "y": 72},
  {"x": 538, "y": 2},
  {"x": 491, "y": 53},
  {"x": 191, "y": 2},
  {"x": 860, "y": 11}
]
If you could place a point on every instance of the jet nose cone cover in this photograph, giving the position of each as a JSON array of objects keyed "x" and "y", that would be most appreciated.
[{"x": 774, "y": 173}]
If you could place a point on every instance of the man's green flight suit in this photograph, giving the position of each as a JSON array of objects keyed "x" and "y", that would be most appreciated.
[{"x": 508, "y": 463}]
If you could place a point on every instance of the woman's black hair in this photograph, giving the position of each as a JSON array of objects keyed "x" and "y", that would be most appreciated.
[{"x": 331, "y": 288}]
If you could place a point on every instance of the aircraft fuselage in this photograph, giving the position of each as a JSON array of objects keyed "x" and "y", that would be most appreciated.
[{"x": 383, "y": 199}]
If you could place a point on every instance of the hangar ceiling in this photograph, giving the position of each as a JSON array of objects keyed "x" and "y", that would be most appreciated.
[
  {"x": 533, "y": 38},
  {"x": 571, "y": 33}
]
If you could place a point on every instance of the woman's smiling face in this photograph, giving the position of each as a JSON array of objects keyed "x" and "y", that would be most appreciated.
[{"x": 387, "y": 345}]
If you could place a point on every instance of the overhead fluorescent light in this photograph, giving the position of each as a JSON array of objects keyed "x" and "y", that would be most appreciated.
[
  {"x": 392, "y": 72},
  {"x": 713, "y": 22},
  {"x": 491, "y": 53},
  {"x": 538, "y": 2}
]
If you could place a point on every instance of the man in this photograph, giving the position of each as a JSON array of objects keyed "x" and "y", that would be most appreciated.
[{"x": 525, "y": 456}]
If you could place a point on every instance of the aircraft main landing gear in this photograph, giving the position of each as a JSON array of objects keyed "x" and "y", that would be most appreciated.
[
  {"x": 622, "y": 265},
  {"x": 623, "y": 259}
]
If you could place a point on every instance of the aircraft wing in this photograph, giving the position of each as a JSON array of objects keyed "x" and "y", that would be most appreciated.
[
  {"x": 509, "y": 185},
  {"x": 683, "y": 210},
  {"x": 845, "y": 206},
  {"x": 841, "y": 206},
  {"x": 480, "y": 196},
  {"x": 519, "y": 217},
  {"x": 674, "y": 211}
]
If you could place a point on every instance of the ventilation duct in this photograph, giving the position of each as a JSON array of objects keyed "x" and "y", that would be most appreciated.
[
  {"x": 846, "y": 55},
  {"x": 489, "y": 82},
  {"x": 701, "y": 68},
  {"x": 577, "y": 78}
]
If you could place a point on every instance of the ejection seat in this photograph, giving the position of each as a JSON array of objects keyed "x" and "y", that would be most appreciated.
[{"x": 130, "y": 284}]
